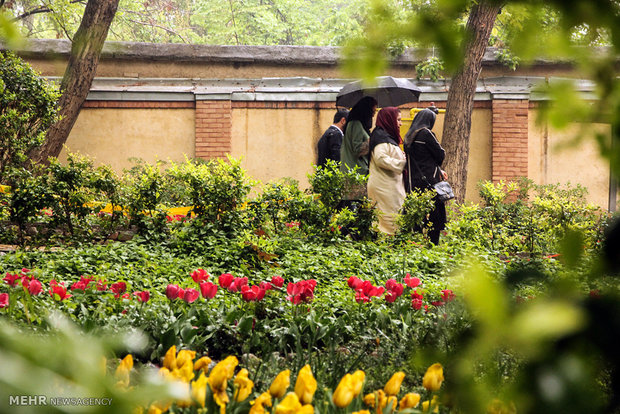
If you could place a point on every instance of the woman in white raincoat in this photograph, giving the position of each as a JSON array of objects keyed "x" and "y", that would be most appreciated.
[{"x": 387, "y": 161}]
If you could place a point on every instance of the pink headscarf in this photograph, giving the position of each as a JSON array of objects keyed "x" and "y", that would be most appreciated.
[{"x": 386, "y": 119}]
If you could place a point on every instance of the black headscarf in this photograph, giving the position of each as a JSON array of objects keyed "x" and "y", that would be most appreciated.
[
  {"x": 363, "y": 111},
  {"x": 423, "y": 119}
]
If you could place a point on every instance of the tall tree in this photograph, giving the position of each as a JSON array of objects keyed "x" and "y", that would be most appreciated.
[
  {"x": 81, "y": 69},
  {"x": 460, "y": 103}
]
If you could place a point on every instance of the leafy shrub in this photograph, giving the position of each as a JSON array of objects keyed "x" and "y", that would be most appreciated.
[
  {"x": 417, "y": 205},
  {"x": 27, "y": 110}
]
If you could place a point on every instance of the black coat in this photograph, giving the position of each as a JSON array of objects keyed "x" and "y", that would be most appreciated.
[
  {"x": 329, "y": 145},
  {"x": 427, "y": 153}
]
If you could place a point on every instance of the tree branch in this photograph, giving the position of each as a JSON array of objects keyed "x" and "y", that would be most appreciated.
[
  {"x": 172, "y": 32},
  {"x": 40, "y": 9}
]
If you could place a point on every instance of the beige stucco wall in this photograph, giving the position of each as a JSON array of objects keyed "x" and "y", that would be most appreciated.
[
  {"x": 276, "y": 143},
  {"x": 558, "y": 157},
  {"x": 112, "y": 136}
]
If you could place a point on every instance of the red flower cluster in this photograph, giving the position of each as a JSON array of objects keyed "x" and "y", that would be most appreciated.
[
  {"x": 416, "y": 300},
  {"x": 253, "y": 293},
  {"x": 118, "y": 289},
  {"x": 394, "y": 290},
  {"x": 364, "y": 289},
  {"x": 189, "y": 295},
  {"x": 301, "y": 292},
  {"x": 82, "y": 284}
]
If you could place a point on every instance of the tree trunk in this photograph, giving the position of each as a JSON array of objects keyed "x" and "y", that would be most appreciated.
[
  {"x": 78, "y": 78},
  {"x": 460, "y": 104}
]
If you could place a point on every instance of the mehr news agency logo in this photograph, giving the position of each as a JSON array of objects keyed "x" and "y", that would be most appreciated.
[{"x": 39, "y": 400}]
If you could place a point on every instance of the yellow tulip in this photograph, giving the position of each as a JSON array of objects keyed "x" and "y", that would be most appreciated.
[
  {"x": 433, "y": 377},
  {"x": 361, "y": 412},
  {"x": 370, "y": 399},
  {"x": 170, "y": 359},
  {"x": 218, "y": 380},
  {"x": 123, "y": 370},
  {"x": 292, "y": 405},
  {"x": 410, "y": 400},
  {"x": 358, "y": 382},
  {"x": 391, "y": 402},
  {"x": 199, "y": 389},
  {"x": 243, "y": 385},
  {"x": 184, "y": 357},
  {"x": 305, "y": 386},
  {"x": 202, "y": 364},
  {"x": 184, "y": 372},
  {"x": 433, "y": 404},
  {"x": 159, "y": 407},
  {"x": 392, "y": 387},
  {"x": 258, "y": 405},
  {"x": 343, "y": 394},
  {"x": 280, "y": 384}
]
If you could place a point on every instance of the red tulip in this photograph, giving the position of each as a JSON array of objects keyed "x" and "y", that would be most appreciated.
[
  {"x": 416, "y": 304},
  {"x": 35, "y": 287},
  {"x": 190, "y": 295},
  {"x": 143, "y": 296},
  {"x": 412, "y": 282},
  {"x": 208, "y": 290},
  {"x": 277, "y": 281},
  {"x": 12, "y": 280},
  {"x": 82, "y": 284},
  {"x": 58, "y": 291},
  {"x": 265, "y": 286},
  {"x": 447, "y": 295},
  {"x": 200, "y": 275},
  {"x": 172, "y": 291},
  {"x": 354, "y": 282},
  {"x": 225, "y": 280},
  {"x": 102, "y": 285},
  {"x": 118, "y": 288},
  {"x": 4, "y": 300}
]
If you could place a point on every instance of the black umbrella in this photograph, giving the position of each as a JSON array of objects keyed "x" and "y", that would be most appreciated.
[{"x": 388, "y": 91}]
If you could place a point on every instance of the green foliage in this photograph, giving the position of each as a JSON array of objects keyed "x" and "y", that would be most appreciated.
[
  {"x": 417, "y": 205},
  {"x": 27, "y": 109},
  {"x": 431, "y": 68},
  {"x": 505, "y": 57},
  {"x": 72, "y": 198}
]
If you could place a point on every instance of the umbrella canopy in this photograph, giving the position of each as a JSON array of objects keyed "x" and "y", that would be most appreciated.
[{"x": 388, "y": 91}]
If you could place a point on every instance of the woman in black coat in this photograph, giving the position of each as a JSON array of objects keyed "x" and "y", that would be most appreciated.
[{"x": 424, "y": 158}]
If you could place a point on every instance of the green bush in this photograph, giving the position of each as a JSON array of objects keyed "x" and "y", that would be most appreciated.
[{"x": 27, "y": 109}]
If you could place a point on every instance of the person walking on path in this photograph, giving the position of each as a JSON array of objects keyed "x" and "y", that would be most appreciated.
[
  {"x": 424, "y": 158},
  {"x": 329, "y": 145},
  {"x": 387, "y": 162},
  {"x": 354, "y": 150}
]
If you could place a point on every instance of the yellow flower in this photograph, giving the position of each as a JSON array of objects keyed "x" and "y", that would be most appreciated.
[
  {"x": 243, "y": 385},
  {"x": 434, "y": 405},
  {"x": 361, "y": 412},
  {"x": 410, "y": 400},
  {"x": 184, "y": 372},
  {"x": 433, "y": 378},
  {"x": 123, "y": 369},
  {"x": 343, "y": 394},
  {"x": 218, "y": 379},
  {"x": 305, "y": 386},
  {"x": 292, "y": 405},
  {"x": 170, "y": 360},
  {"x": 358, "y": 382},
  {"x": 202, "y": 364},
  {"x": 258, "y": 405},
  {"x": 199, "y": 389},
  {"x": 392, "y": 387},
  {"x": 280, "y": 384},
  {"x": 390, "y": 402},
  {"x": 185, "y": 357},
  {"x": 370, "y": 399}
]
